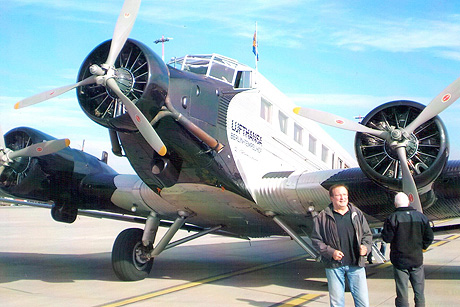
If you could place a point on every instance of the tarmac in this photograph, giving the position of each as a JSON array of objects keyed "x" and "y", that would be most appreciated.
[{"x": 46, "y": 263}]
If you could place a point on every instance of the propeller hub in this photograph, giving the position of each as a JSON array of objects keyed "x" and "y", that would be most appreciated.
[
  {"x": 125, "y": 81},
  {"x": 411, "y": 145},
  {"x": 396, "y": 134}
]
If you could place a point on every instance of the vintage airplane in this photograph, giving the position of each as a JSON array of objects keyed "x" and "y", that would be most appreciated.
[{"x": 217, "y": 148}]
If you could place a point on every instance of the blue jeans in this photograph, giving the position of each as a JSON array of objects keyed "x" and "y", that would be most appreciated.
[{"x": 356, "y": 279}]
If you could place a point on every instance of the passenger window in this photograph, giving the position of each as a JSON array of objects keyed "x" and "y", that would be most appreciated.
[
  {"x": 325, "y": 154},
  {"x": 312, "y": 144},
  {"x": 298, "y": 133},
  {"x": 283, "y": 122},
  {"x": 266, "y": 110}
]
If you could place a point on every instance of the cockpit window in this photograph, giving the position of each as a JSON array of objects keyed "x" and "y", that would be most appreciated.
[
  {"x": 197, "y": 65},
  {"x": 221, "y": 70},
  {"x": 243, "y": 79},
  {"x": 217, "y": 67}
]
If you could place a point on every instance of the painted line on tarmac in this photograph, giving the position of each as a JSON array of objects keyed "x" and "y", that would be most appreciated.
[
  {"x": 447, "y": 239},
  {"x": 437, "y": 223},
  {"x": 438, "y": 243},
  {"x": 383, "y": 265},
  {"x": 298, "y": 300},
  {"x": 199, "y": 282},
  {"x": 433, "y": 245},
  {"x": 452, "y": 237}
]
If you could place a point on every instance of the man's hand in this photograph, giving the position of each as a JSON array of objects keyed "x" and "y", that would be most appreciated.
[
  {"x": 363, "y": 250},
  {"x": 337, "y": 255}
]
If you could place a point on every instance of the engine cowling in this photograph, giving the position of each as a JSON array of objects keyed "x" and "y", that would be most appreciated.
[
  {"x": 427, "y": 150},
  {"x": 141, "y": 75},
  {"x": 61, "y": 177},
  {"x": 26, "y": 176}
]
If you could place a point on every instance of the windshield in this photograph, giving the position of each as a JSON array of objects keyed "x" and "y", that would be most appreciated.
[{"x": 215, "y": 66}]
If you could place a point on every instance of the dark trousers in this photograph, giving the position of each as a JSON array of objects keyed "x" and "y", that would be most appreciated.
[{"x": 416, "y": 276}]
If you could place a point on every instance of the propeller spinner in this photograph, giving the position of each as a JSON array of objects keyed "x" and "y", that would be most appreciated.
[{"x": 106, "y": 75}]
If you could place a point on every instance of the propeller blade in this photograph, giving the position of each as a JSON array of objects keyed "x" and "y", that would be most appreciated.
[
  {"x": 52, "y": 93},
  {"x": 447, "y": 97},
  {"x": 40, "y": 149},
  {"x": 338, "y": 122},
  {"x": 408, "y": 183},
  {"x": 123, "y": 27},
  {"x": 139, "y": 120}
]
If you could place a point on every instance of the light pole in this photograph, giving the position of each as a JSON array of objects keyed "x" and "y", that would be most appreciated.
[{"x": 162, "y": 40}]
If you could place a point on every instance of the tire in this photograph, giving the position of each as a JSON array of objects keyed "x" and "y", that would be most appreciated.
[{"x": 126, "y": 263}]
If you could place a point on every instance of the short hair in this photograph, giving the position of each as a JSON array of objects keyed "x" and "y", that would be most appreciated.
[
  {"x": 337, "y": 185},
  {"x": 401, "y": 200}
]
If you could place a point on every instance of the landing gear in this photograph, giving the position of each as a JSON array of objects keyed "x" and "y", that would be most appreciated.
[
  {"x": 130, "y": 259},
  {"x": 133, "y": 251},
  {"x": 64, "y": 213}
]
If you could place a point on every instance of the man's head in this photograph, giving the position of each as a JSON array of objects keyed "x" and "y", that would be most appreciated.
[
  {"x": 339, "y": 196},
  {"x": 401, "y": 200}
]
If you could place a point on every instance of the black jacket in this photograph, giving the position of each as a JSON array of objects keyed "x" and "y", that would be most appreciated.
[
  {"x": 325, "y": 237},
  {"x": 409, "y": 233}
]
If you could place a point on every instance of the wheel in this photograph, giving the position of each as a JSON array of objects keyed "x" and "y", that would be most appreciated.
[{"x": 128, "y": 256}]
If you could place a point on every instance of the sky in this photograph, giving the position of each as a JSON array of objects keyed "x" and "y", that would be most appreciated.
[{"x": 344, "y": 57}]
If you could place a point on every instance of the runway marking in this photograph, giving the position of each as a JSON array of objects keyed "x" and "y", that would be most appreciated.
[
  {"x": 383, "y": 265},
  {"x": 452, "y": 237},
  {"x": 298, "y": 300},
  {"x": 199, "y": 282},
  {"x": 438, "y": 243},
  {"x": 435, "y": 244},
  {"x": 437, "y": 223},
  {"x": 442, "y": 242}
]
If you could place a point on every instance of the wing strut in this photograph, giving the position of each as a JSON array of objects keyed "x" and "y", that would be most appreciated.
[{"x": 306, "y": 246}]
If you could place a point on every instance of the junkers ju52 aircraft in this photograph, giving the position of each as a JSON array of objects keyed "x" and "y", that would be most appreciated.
[{"x": 218, "y": 149}]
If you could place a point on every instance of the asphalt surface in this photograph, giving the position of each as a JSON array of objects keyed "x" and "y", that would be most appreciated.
[{"x": 46, "y": 263}]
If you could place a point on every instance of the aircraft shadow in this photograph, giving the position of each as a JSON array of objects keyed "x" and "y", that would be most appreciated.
[
  {"x": 192, "y": 263},
  {"x": 55, "y": 268}
]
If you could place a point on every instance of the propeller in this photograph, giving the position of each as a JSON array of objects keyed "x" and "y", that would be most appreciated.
[
  {"x": 123, "y": 28},
  {"x": 106, "y": 75},
  {"x": 7, "y": 155},
  {"x": 39, "y": 149},
  {"x": 408, "y": 184},
  {"x": 139, "y": 120},
  {"x": 447, "y": 97},
  {"x": 337, "y": 121},
  {"x": 396, "y": 137},
  {"x": 52, "y": 93}
]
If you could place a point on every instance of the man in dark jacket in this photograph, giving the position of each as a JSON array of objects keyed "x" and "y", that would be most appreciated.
[
  {"x": 343, "y": 238},
  {"x": 409, "y": 233}
]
